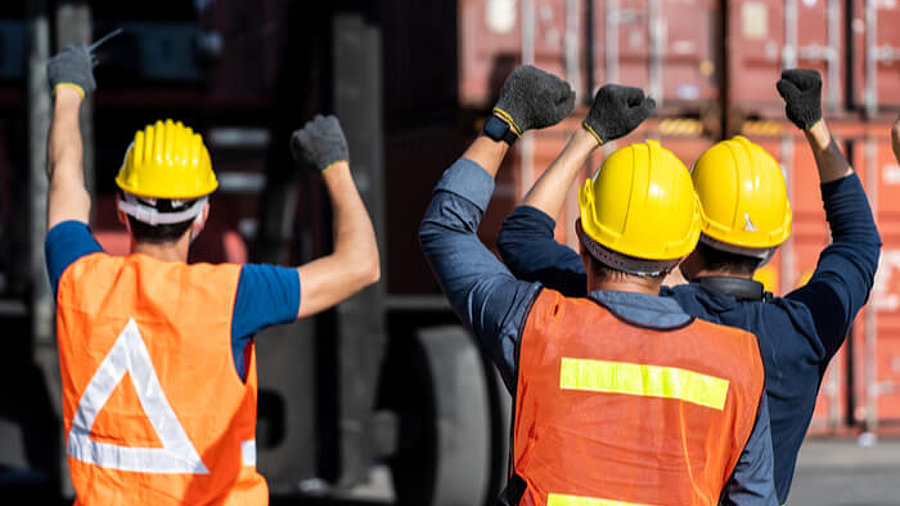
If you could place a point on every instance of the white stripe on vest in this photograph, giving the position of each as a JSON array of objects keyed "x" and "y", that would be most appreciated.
[{"x": 177, "y": 456}]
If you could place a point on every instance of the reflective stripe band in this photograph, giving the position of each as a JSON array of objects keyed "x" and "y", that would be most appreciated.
[
  {"x": 129, "y": 355},
  {"x": 574, "y": 500},
  {"x": 640, "y": 379},
  {"x": 248, "y": 452}
]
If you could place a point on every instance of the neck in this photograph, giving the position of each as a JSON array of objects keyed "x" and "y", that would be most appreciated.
[
  {"x": 634, "y": 284},
  {"x": 705, "y": 273},
  {"x": 171, "y": 251}
]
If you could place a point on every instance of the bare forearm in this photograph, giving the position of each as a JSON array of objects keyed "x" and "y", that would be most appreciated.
[
  {"x": 64, "y": 156},
  {"x": 487, "y": 153},
  {"x": 67, "y": 197},
  {"x": 353, "y": 232},
  {"x": 354, "y": 264},
  {"x": 549, "y": 192},
  {"x": 830, "y": 161}
]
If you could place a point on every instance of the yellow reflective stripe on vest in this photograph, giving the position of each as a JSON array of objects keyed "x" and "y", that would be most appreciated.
[
  {"x": 641, "y": 379},
  {"x": 574, "y": 500}
]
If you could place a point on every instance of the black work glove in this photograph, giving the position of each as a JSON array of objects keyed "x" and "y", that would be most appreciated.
[
  {"x": 74, "y": 65},
  {"x": 320, "y": 143},
  {"x": 616, "y": 111},
  {"x": 531, "y": 98},
  {"x": 801, "y": 90}
]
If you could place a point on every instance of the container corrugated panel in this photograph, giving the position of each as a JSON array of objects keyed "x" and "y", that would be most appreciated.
[
  {"x": 876, "y": 42},
  {"x": 665, "y": 47},
  {"x": 768, "y": 35},
  {"x": 882, "y": 373}
]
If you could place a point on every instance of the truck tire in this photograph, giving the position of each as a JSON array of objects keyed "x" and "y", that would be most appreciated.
[{"x": 446, "y": 453}]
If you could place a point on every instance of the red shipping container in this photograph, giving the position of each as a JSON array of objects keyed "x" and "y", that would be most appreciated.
[
  {"x": 769, "y": 35},
  {"x": 666, "y": 47},
  {"x": 876, "y": 53}
]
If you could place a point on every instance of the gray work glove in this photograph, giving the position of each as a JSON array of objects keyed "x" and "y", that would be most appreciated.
[
  {"x": 74, "y": 65},
  {"x": 531, "y": 98},
  {"x": 801, "y": 90},
  {"x": 320, "y": 143},
  {"x": 616, "y": 111}
]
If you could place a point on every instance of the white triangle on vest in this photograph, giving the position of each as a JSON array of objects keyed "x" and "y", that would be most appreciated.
[
  {"x": 748, "y": 225},
  {"x": 177, "y": 455}
]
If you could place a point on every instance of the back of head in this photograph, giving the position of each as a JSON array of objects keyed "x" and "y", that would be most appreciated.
[
  {"x": 164, "y": 180},
  {"x": 639, "y": 212},
  {"x": 746, "y": 213}
]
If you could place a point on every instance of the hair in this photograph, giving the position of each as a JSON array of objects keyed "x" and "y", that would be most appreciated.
[
  {"x": 158, "y": 234},
  {"x": 718, "y": 260}
]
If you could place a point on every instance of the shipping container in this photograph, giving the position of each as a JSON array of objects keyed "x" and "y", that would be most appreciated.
[
  {"x": 666, "y": 47},
  {"x": 766, "y": 36},
  {"x": 876, "y": 54}
]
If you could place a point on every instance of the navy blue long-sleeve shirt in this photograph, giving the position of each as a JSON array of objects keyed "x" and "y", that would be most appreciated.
[
  {"x": 798, "y": 333},
  {"x": 494, "y": 306}
]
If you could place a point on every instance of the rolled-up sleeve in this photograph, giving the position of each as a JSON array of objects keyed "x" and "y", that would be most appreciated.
[{"x": 482, "y": 291}]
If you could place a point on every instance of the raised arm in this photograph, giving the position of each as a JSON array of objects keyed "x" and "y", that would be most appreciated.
[
  {"x": 526, "y": 241},
  {"x": 354, "y": 264},
  {"x": 485, "y": 296},
  {"x": 70, "y": 76},
  {"x": 845, "y": 273}
]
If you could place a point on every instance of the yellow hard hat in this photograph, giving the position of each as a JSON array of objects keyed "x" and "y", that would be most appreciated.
[
  {"x": 167, "y": 161},
  {"x": 742, "y": 192},
  {"x": 641, "y": 204}
]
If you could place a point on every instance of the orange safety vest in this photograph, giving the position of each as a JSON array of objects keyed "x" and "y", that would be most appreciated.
[
  {"x": 154, "y": 410},
  {"x": 611, "y": 412}
]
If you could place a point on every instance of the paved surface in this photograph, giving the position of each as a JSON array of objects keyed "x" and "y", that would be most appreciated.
[{"x": 843, "y": 473}]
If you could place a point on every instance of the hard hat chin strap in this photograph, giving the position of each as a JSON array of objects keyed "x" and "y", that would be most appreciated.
[{"x": 132, "y": 206}]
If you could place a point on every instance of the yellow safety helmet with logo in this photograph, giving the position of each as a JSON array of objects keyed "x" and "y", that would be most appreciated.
[
  {"x": 744, "y": 199},
  {"x": 641, "y": 206},
  {"x": 167, "y": 161}
]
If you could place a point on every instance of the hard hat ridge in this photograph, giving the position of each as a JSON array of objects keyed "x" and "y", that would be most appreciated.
[
  {"x": 744, "y": 198},
  {"x": 167, "y": 160},
  {"x": 639, "y": 212}
]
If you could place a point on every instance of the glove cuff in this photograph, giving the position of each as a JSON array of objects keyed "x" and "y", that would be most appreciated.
[
  {"x": 509, "y": 119},
  {"x": 591, "y": 130},
  {"x": 332, "y": 164},
  {"x": 74, "y": 86}
]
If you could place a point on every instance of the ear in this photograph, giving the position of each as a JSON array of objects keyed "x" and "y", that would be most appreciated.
[
  {"x": 200, "y": 221},
  {"x": 123, "y": 218}
]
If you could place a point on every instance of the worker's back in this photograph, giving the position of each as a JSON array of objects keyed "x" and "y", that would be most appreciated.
[
  {"x": 181, "y": 429},
  {"x": 793, "y": 351},
  {"x": 611, "y": 410}
]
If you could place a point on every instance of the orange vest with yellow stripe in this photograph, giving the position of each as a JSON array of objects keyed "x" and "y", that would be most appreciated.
[
  {"x": 611, "y": 412},
  {"x": 154, "y": 410}
]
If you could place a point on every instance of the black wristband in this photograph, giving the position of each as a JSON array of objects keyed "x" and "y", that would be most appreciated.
[{"x": 499, "y": 130}]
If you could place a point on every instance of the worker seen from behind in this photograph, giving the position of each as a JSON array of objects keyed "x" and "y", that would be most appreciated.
[
  {"x": 620, "y": 397},
  {"x": 746, "y": 217},
  {"x": 157, "y": 356}
]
